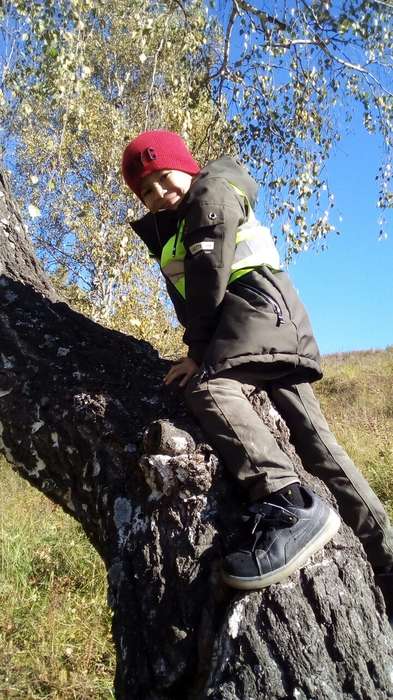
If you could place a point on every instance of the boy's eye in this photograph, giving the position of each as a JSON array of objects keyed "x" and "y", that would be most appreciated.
[{"x": 164, "y": 176}]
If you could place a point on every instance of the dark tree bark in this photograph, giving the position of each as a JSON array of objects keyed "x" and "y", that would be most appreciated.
[{"x": 84, "y": 418}]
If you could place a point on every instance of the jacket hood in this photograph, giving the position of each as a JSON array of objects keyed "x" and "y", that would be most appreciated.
[{"x": 227, "y": 168}]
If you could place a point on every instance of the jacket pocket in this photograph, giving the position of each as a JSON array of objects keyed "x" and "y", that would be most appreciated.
[
  {"x": 258, "y": 298},
  {"x": 206, "y": 245},
  {"x": 204, "y": 234}
]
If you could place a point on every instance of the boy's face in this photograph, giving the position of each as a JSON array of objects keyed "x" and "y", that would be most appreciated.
[{"x": 165, "y": 189}]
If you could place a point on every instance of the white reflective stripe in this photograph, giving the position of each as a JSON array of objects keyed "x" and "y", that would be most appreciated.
[
  {"x": 174, "y": 267},
  {"x": 174, "y": 270},
  {"x": 255, "y": 247},
  {"x": 203, "y": 245},
  {"x": 252, "y": 232},
  {"x": 176, "y": 278},
  {"x": 254, "y": 260}
]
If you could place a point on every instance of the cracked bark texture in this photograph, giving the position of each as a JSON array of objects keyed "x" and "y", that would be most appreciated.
[{"x": 85, "y": 419}]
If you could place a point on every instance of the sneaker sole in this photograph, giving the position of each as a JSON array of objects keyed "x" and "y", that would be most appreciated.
[{"x": 330, "y": 528}]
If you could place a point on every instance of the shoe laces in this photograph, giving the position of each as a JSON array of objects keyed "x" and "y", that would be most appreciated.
[{"x": 266, "y": 517}]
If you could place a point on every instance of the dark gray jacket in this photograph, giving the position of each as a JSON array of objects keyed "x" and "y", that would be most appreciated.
[{"x": 256, "y": 319}]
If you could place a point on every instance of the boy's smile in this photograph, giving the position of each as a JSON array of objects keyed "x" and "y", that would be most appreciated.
[{"x": 165, "y": 189}]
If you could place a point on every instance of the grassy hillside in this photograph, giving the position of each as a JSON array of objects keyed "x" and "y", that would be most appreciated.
[
  {"x": 356, "y": 396},
  {"x": 54, "y": 623}
]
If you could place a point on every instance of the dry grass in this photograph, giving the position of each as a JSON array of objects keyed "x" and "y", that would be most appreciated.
[
  {"x": 54, "y": 623},
  {"x": 356, "y": 396}
]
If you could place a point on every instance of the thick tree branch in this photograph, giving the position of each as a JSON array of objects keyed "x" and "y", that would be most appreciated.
[
  {"x": 17, "y": 258},
  {"x": 84, "y": 418}
]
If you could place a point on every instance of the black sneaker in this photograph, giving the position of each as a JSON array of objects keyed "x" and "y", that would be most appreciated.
[{"x": 282, "y": 539}]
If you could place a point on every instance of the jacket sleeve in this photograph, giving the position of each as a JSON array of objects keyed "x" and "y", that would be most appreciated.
[{"x": 211, "y": 223}]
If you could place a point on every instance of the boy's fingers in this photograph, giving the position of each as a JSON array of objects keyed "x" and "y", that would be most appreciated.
[
  {"x": 169, "y": 378},
  {"x": 172, "y": 374},
  {"x": 176, "y": 372},
  {"x": 185, "y": 368},
  {"x": 187, "y": 377}
]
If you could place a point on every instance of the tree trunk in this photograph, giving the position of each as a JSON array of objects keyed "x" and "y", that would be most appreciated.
[{"x": 85, "y": 419}]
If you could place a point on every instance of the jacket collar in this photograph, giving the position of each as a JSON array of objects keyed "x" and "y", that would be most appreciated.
[{"x": 156, "y": 229}]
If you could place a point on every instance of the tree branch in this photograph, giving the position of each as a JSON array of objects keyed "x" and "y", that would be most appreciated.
[
  {"x": 222, "y": 70},
  {"x": 263, "y": 16}
]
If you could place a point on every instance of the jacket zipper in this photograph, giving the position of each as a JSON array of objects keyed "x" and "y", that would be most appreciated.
[
  {"x": 175, "y": 243},
  {"x": 179, "y": 230},
  {"x": 203, "y": 374},
  {"x": 273, "y": 303}
]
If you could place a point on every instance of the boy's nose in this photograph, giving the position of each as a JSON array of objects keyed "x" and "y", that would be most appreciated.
[{"x": 158, "y": 189}]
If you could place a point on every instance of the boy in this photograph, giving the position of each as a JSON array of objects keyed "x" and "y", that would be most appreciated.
[{"x": 245, "y": 326}]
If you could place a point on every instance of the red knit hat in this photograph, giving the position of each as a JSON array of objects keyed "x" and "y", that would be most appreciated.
[{"x": 152, "y": 151}]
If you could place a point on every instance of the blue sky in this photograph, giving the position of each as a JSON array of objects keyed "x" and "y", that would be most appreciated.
[{"x": 348, "y": 288}]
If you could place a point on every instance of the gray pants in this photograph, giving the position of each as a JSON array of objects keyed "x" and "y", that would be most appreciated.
[{"x": 254, "y": 458}]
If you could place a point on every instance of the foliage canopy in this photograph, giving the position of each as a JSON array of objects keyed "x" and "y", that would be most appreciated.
[
  {"x": 276, "y": 83},
  {"x": 80, "y": 79},
  {"x": 294, "y": 74}
]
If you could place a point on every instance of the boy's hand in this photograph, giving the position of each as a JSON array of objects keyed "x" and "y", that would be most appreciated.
[{"x": 185, "y": 367}]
